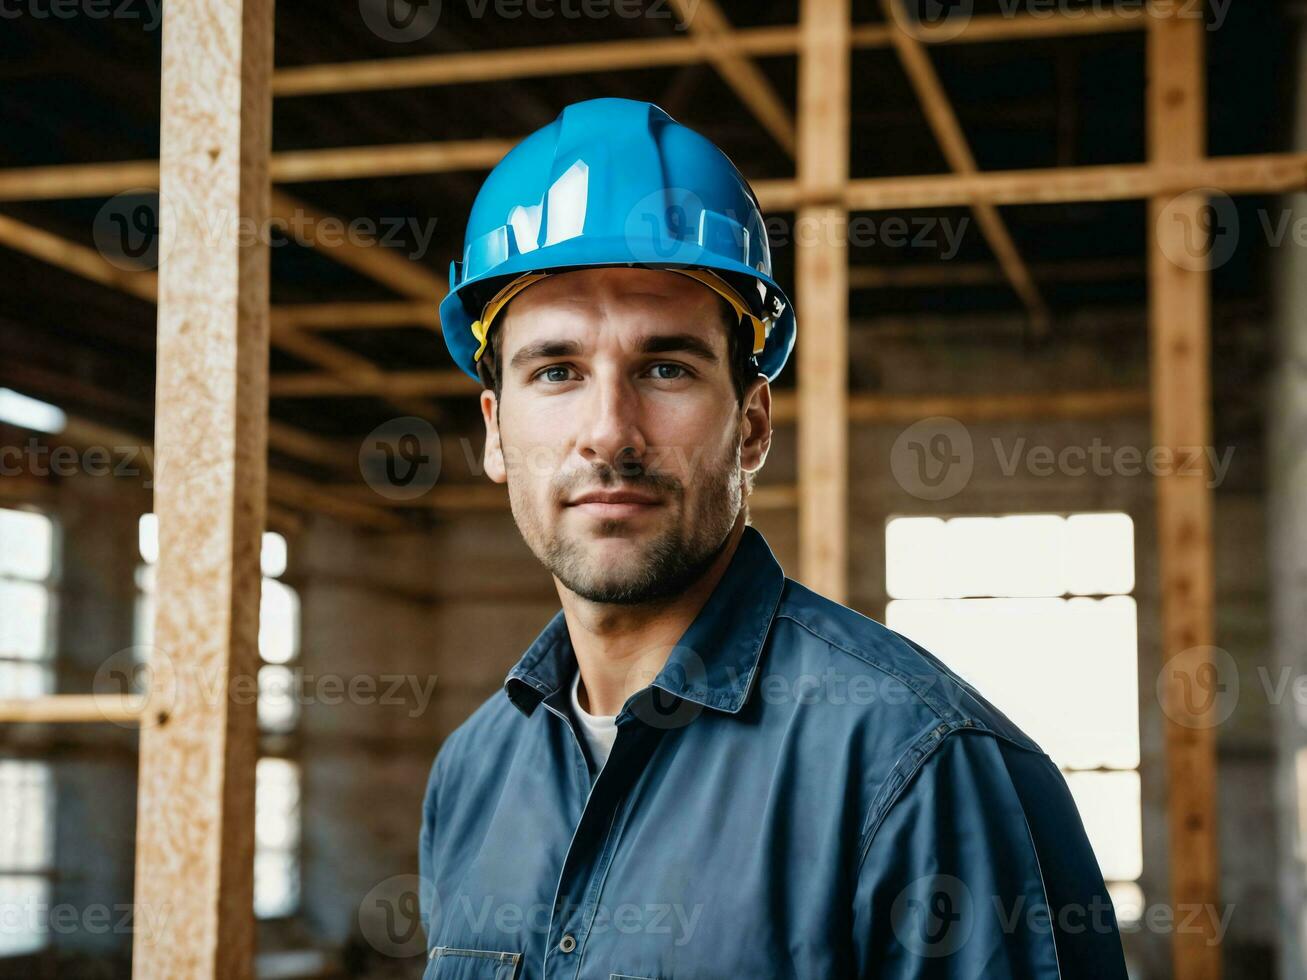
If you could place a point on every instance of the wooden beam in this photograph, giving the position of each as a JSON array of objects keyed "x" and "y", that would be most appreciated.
[
  {"x": 706, "y": 22},
  {"x": 344, "y": 163},
  {"x": 877, "y": 408},
  {"x": 360, "y": 508},
  {"x": 953, "y": 143},
  {"x": 355, "y": 316},
  {"x": 195, "y": 812},
  {"x": 1270, "y": 173},
  {"x": 945, "y": 274},
  {"x": 573, "y": 59},
  {"x": 1267, "y": 173},
  {"x": 335, "y": 163},
  {"x": 69, "y": 708},
  {"x": 386, "y": 266},
  {"x": 822, "y": 293},
  {"x": 346, "y": 365},
  {"x": 75, "y": 258},
  {"x": 446, "y": 382},
  {"x": 1179, "y": 308}
]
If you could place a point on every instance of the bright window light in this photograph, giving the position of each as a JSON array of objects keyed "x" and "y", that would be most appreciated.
[
  {"x": 276, "y": 837},
  {"x": 1034, "y": 611},
  {"x": 273, "y": 558},
  {"x": 147, "y": 538},
  {"x": 26, "y": 853},
  {"x": 30, "y": 413}
]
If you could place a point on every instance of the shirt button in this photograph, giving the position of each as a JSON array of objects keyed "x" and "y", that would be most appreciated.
[{"x": 567, "y": 943}]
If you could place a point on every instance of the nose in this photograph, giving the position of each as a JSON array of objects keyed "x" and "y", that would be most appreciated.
[{"x": 611, "y": 429}]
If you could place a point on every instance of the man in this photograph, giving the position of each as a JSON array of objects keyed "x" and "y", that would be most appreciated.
[{"x": 700, "y": 768}]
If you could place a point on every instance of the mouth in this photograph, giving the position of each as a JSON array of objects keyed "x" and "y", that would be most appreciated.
[{"x": 612, "y": 504}]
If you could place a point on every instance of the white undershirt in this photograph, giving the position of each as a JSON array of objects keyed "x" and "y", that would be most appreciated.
[{"x": 600, "y": 731}]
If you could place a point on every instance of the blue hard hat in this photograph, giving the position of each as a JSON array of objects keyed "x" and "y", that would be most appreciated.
[{"x": 615, "y": 182}]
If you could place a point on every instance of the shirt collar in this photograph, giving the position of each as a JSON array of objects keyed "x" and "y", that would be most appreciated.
[{"x": 714, "y": 662}]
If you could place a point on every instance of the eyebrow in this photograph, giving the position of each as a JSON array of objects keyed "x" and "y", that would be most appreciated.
[{"x": 657, "y": 344}]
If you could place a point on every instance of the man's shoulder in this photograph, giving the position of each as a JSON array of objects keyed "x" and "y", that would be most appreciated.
[
  {"x": 811, "y": 630},
  {"x": 483, "y": 734}
]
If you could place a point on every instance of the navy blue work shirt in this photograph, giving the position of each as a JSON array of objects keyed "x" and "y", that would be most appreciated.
[{"x": 799, "y": 793}]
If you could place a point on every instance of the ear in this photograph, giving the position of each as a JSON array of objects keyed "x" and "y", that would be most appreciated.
[
  {"x": 755, "y": 425},
  {"x": 493, "y": 457}
]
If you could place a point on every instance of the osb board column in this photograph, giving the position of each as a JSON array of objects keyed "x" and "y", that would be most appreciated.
[
  {"x": 822, "y": 296},
  {"x": 1179, "y": 327},
  {"x": 195, "y": 824}
]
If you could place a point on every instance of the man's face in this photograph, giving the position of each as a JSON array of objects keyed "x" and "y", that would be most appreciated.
[{"x": 618, "y": 429}]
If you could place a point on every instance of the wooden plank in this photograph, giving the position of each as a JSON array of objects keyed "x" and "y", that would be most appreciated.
[
  {"x": 946, "y": 274},
  {"x": 822, "y": 294},
  {"x": 1266, "y": 173},
  {"x": 877, "y": 409},
  {"x": 195, "y": 813},
  {"x": 383, "y": 265},
  {"x": 1270, "y": 173},
  {"x": 571, "y": 59},
  {"x": 71, "y": 708},
  {"x": 957, "y": 151},
  {"x": 706, "y": 22},
  {"x": 447, "y": 381},
  {"x": 75, "y": 258},
  {"x": 355, "y": 316},
  {"x": 1179, "y": 313}
]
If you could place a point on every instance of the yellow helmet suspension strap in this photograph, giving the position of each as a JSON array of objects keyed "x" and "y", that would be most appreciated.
[
  {"x": 481, "y": 328},
  {"x": 761, "y": 327}
]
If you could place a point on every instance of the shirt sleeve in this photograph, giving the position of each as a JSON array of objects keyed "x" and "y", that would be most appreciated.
[
  {"x": 426, "y": 838},
  {"x": 979, "y": 867}
]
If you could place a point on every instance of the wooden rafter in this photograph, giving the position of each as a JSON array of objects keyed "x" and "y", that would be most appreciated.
[
  {"x": 706, "y": 23},
  {"x": 90, "y": 264},
  {"x": 336, "y": 163},
  {"x": 1264, "y": 173},
  {"x": 953, "y": 143},
  {"x": 571, "y": 59}
]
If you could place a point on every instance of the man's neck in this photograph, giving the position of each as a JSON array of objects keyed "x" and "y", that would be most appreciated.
[{"x": 621, "y": 648}]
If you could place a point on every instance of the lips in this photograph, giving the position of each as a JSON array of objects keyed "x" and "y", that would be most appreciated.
[
  {"x": 614, "y": 503},
  {"x": 613, "y": 497}
]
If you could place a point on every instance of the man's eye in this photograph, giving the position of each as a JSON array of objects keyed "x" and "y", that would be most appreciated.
[
  {"x": 668, "y": 371},
  {"x": 555, "y": 373}
]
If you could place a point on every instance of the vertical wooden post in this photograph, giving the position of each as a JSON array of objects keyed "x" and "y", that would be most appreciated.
[
  {"x": 822, "y": 295},
  {"x": 195, "y": 817},
  {"x": 1179, "y": 328}
]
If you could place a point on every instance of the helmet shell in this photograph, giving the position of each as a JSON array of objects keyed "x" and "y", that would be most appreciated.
[{"x": 614, "y": 182}]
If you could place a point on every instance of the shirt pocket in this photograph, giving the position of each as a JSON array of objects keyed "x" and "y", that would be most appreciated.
[{"x": 448, "y": 963}]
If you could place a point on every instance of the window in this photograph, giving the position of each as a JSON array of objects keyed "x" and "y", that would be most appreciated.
[
  {"x": 27, "y": 607},
  {"x": 1035, "y": 610},
  {"x": 277, "y": 779}
]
